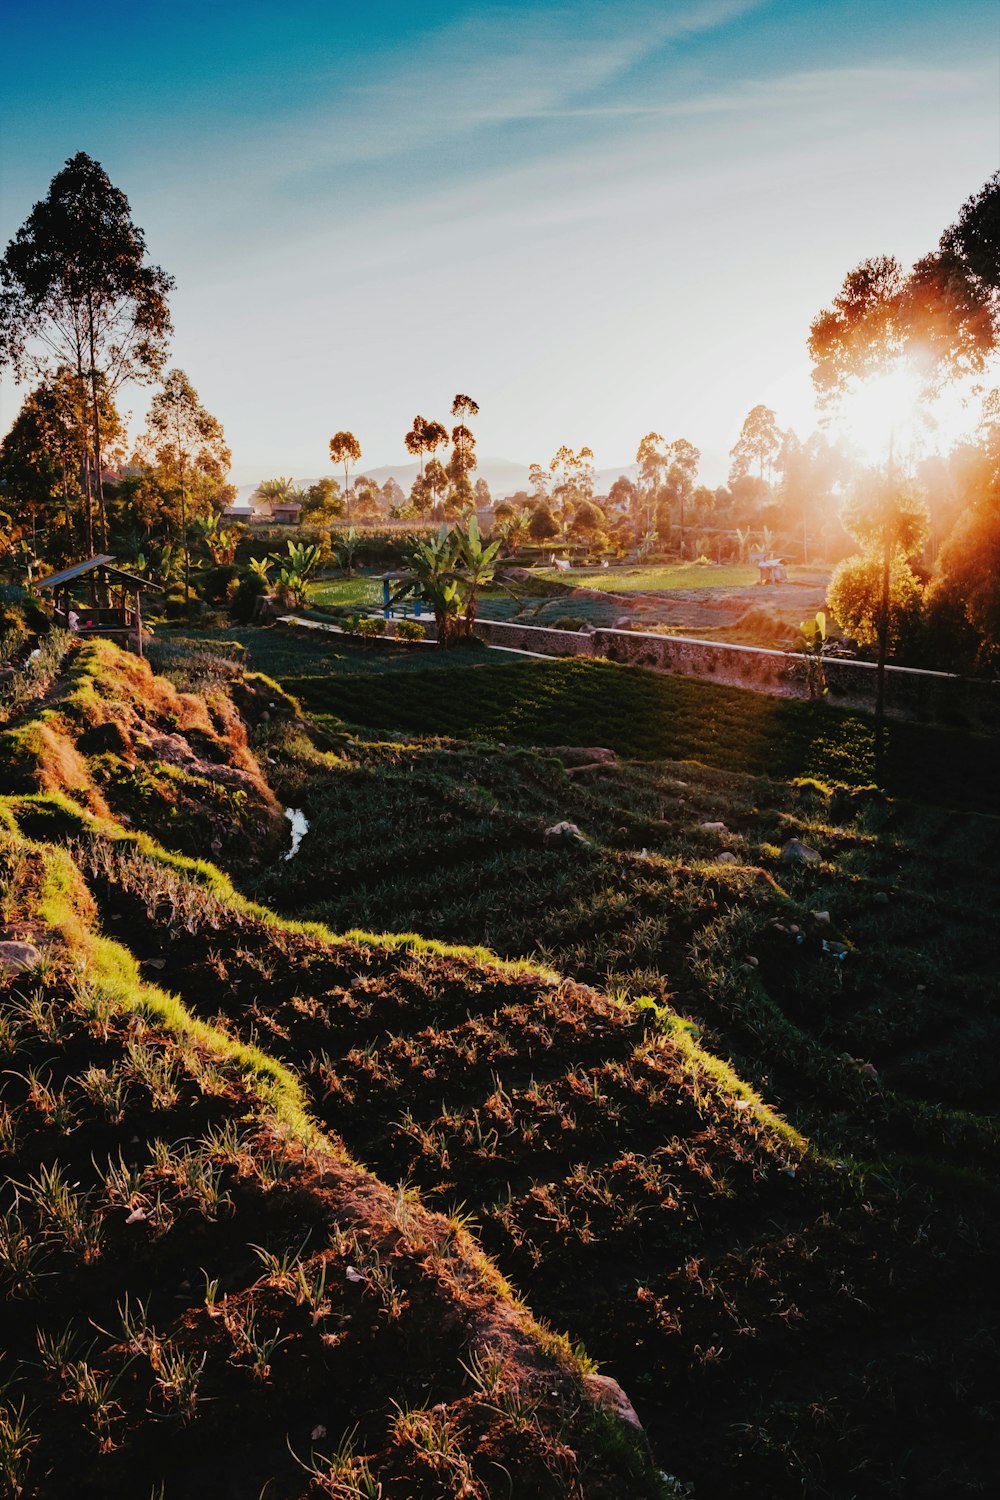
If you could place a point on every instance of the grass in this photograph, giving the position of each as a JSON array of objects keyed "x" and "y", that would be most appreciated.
[
  {"x": 656, "y": 576},
  {"x": 715, "y": 1115},
  {"x": 649, "y": 716},
  {"x": 359, "y": 592},
  {"x": 85, "y": 1247}
]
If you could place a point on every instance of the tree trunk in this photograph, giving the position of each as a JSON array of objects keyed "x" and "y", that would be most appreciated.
[
  {"x": 98, "y": 456},
  {"x": 184, "y": 535},
  {"x": 88, "y": 498},
  {"x": 883, "y": 647}
]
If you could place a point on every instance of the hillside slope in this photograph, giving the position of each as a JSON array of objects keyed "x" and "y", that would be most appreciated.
[{"x": 757, "y": 1297}]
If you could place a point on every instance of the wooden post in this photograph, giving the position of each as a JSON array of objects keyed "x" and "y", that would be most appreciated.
[{"x": 138, "y": 620}]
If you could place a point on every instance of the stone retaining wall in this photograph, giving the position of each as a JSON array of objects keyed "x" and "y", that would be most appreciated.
[{"x": 926, "y": 697}]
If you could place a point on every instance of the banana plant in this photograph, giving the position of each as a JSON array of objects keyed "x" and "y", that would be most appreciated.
[
  {"x": 476, "y": 567},
  {"x": 434, "y": 565},
  {"x": 812, "y": 644},
  {"x": 347, "y": 549},
  {"x": 296, "y": 571}
]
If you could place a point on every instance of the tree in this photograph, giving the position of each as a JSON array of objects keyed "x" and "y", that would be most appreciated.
[
  {"x": 966, "y": 582},
  {"x": 392, "y": 495},
  {"x": 29, "y": 476},
  {"x": 367, "y": 498},
  {"x": 683, "y": 459},
  {"x": 462, "y": 462},
  {"x": 39, "y": 456},
  {"x": 323, "y": 502},
  {"x": 652, "y": 460},
  {"x": 75, "y": 290},
  {"x": 891, "y": 524},
  {"x": 180, "y": 431},
  {"x": 482, "y": 494},
  {"x": 275, "y": 491},
  {"x": 345, "y": 449},
  {"x": 759, "y": 442},
  {"x": 858, "y": 597},
  {"x": 433, "y": 564},
  {"x": 623, "y": 496},
  {"x": 543, "y": 526},
  {"x": 572, "y": 481},
  {"x": 476, "y": 570},
  {"x": 425, "y": 437}
]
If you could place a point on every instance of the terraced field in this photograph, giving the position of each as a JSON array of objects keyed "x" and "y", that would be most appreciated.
[{"x": 727, "y": 1120}]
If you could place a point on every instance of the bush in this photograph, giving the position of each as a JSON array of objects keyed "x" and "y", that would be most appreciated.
[
  {"x": 409, "y": 630},
  {"x": 371, "y": 626},
  {"x": 214, "y": 584},
  {"x": 855, "y": 597},
  {"x": 568, "y": 622},
  {"x": 249, "y": 589}
]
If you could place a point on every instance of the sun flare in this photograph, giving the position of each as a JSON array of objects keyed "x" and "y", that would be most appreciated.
[{"x": 895, "y": 411}]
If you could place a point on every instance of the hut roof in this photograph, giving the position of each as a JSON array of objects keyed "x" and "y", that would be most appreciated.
[{"x": 103, "y": 563}]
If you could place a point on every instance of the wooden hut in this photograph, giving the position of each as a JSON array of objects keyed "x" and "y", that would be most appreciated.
[{"x": 113, "y": 606}]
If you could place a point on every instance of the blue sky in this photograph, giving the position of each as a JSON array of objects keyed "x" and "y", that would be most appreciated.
[{"x": 596, "y": 218}]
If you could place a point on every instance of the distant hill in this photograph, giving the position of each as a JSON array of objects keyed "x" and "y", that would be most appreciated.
[{"x": 503, "y": 476}]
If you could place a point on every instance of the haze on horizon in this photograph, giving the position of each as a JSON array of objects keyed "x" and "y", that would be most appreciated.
[{"x": 597, "y": 220}]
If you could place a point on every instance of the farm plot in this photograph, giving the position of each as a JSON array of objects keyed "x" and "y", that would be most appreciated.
[
  {"x": 204, "y": 1294},
  {"x": 633, "y": 1188}
]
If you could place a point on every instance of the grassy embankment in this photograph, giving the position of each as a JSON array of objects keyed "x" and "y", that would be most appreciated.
[{"x": 203, "y": 1292}]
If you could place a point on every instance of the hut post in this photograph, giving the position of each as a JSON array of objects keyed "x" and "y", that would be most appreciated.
[{"x": 138, "y": 620}]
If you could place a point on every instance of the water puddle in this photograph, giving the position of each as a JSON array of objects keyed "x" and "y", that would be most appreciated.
[{"x": 300, "y": 827}]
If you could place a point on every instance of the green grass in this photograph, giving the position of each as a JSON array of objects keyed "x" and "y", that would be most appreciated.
[
  {"x": 648, "y": 716},
  {"x": 359, "y": 591},
  {"x": 688, "y": 575}
]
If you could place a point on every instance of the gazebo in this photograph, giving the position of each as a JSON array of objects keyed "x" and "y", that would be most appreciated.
[
  {"x": 120, "y": 615},
  {"x": 393, "y": 598}
]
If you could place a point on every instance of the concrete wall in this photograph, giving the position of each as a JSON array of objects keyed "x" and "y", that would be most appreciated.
[{"x": 926, "y": 697}]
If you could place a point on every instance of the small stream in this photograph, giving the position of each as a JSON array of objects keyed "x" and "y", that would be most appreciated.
[{"x": 300, "y": 827}]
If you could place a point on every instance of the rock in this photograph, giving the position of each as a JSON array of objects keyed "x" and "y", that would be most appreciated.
[
  {"x": 609, "y": 1394},
  {"x": 16, "y": 957},
  {"x": 714, "y": 827},
  {"x": 881, "y": 898},
  {"x": 581, "y": 755},
  {"x": 564, "y": 833},
  {"x": 727, "y": 858},
  {"x": 820, "y": 918},
  {"x": 797, "y": 853}
]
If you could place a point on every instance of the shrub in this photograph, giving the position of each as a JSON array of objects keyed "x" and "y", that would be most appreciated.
[
  {"x": 409, "y": 630},
  {"x": 855, "y": 597},
  {"x": 568, "y": 622},
  {"x": 371, "y": 626},
  {"x": 214, "y": 584},
  {"x": 249, "y": 589}
]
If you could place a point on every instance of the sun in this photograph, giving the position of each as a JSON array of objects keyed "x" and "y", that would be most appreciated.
[{"x": 894, "y": 414}]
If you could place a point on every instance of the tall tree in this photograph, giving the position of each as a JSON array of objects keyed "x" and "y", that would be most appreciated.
[
  {"x": 345, "y": 449},
  {"x": 683, "y": 459},
  {"x": 572, "y": 478},
  {"x": 75, "y": 290},
  {"x": 652, "y": 460},
  {"x": 179, "y": 431},
  {"x": 462, "y": 462},
  {"x": 425, "y": 437},
  {"x": 759, "y": 443}
]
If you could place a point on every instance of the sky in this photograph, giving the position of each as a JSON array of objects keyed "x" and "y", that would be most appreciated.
[{"x": 598, "y": 219}]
